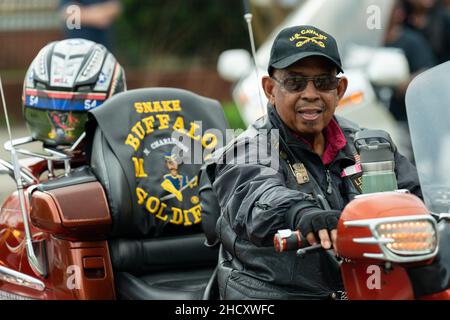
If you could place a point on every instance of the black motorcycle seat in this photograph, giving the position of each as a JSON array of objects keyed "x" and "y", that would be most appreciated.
[
  {"x": 156, "y": 243},
  {"x": 163, "y": 268},
  {"x": 169, "y": 285},
  {"x": 144, "y": 256}
]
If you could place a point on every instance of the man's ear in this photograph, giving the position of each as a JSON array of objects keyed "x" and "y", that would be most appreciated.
[
  {"x": 342, "y": 87},
  {"x": 268, "y": 87}
]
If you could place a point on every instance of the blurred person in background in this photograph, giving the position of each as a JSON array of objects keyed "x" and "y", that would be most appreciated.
[
  {"x": 446, "y": 3},
  {"x": 418, "y": 53},
  {"x": 96, "y": 20},
  {"x": 432, "y": 19}
]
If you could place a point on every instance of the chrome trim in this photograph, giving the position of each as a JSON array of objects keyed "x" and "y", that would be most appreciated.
[
  {"x": 373, "y": 240},
  {"x": 387, "y": 254},
  {"x": 30, "y": 191},
  {"x": 63, "y": 157},
  {"x": 67, "y": 168},
  {"x": 374, "y": 256},
  {"x": 54, "y": 155},
  {"x": 377, "y": 221},
  {"x": 21, "y": 279},
  {"x": 17, "y": 142},
  {"x": 50, "y": 169},
  {"x": 5, "y": 295},
  {"x": 9, "y": 169},
  {"x": 77, "y": 143},
  {"x": 34, "y": 261}
]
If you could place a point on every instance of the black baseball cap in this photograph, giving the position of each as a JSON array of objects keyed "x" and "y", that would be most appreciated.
[{"x": 295, "y": 43}]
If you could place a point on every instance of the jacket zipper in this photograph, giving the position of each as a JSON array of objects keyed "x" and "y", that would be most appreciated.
[{"x": 329, "y": 187}]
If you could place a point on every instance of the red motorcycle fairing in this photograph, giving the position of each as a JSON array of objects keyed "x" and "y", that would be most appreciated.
[
  {"x": 77, "y": 269},
  {"x": 369, "y": 281},
  {"x": 73, "y": 212},
  {"x": 366, "y": 276},
  {"x": 373, "y": 206}
]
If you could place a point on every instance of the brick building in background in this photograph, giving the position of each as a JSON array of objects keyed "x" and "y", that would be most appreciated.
[{"x": 25, "y": 27}]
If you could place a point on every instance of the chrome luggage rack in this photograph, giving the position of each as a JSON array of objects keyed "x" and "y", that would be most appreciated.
[{"x": 62, "y": 154}]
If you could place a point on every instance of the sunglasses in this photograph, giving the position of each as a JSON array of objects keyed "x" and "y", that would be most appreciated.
[{"x": 299, "y": 83}]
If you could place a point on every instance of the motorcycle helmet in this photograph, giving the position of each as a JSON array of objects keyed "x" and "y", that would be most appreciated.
[{"x": 65, "y": 80}]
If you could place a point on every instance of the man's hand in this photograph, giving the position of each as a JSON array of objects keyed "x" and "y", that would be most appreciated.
[
  {"x": 100, "y": 15},
  {"x": 322, "y": 223}
]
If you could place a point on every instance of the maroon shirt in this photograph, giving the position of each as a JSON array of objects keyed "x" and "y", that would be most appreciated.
[{"x": 334, "y": 141}]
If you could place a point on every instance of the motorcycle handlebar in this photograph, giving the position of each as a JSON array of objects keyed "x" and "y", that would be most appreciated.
[
  {"x": 288, "y": 240},
  {"x": 303, "y": 251}
]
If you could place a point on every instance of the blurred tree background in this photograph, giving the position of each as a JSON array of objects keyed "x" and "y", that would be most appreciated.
[
  {"x": 177, "y": 37},
  {"x": 179, "y": 34},
  {"x": 161, "y": 36}
]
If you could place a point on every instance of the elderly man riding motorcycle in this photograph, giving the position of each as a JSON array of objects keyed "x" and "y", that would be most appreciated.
[{"x": 310, "y": 187}]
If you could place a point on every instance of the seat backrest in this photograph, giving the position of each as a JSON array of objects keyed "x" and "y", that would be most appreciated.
[{"x": 146, "y": 147}]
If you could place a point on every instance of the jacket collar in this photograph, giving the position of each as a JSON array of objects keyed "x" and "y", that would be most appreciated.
[{"x": 336, "y": 140}]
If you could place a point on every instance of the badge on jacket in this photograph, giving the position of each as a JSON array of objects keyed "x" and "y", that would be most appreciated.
[
  {"x": 300, "y": 173},
  {"x": 354, "y": 173}
]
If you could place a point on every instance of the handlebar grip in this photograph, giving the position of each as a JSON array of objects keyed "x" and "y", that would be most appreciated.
[{"x": 287, "y": 240}]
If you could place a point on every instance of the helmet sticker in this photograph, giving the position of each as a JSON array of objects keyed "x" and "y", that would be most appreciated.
[
  {"x": 63, "y": 101},
  {"x": 106, "y": 74},
  {"x": 63, "y": 124}
]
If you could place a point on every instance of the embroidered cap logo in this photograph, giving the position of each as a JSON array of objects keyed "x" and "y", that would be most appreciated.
[{"x": 308, "y": 35}]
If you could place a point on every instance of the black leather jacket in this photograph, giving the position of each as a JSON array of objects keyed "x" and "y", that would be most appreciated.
[{"x": 257, "y": 200}]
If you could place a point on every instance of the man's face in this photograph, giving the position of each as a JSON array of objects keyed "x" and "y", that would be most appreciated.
[{"x": 309, "y": 111}]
